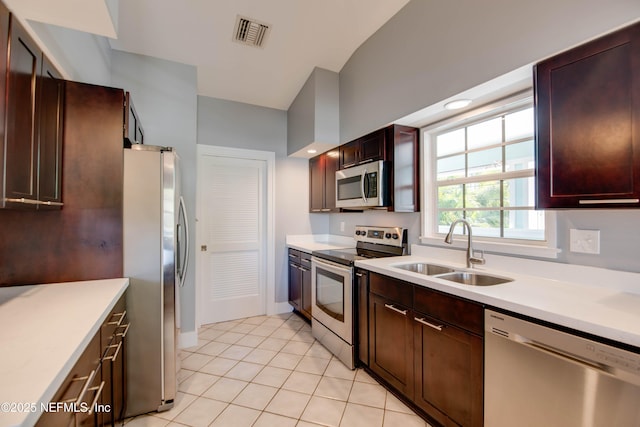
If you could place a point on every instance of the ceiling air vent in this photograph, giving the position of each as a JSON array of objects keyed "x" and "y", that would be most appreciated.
[{"x": 250, "y": 32}]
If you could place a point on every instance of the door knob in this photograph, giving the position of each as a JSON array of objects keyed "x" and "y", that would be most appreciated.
[{"x": 203, "y": 248}]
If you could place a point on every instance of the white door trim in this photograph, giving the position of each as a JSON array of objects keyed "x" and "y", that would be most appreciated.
[{"x": 270, "y": 158}]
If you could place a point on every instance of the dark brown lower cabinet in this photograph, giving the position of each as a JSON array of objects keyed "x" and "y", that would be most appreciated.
[
  {"x": 448, "y": 372},
  {"x": 114, "y": 331},
  {"x": 83, "y": 386},
  {"x": 428, "y": 346},
  {"x": 300, "y": 282}
]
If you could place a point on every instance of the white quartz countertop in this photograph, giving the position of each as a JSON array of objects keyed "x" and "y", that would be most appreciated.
[
  {"x": 601, "y": 302},
  {"x": 319, "y": 242},
  {"x": 45, "y": 329}
]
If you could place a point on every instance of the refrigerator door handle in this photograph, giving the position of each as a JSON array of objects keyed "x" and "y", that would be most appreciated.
[{"x": 182, "y": 266}]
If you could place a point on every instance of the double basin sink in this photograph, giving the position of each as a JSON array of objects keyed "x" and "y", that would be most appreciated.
[{"x": 447, "y": 273}]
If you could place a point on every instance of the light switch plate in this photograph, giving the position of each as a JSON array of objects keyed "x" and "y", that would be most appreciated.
[
  {"x": 584, "y": 241},
  {"x": 341, "y": 225}
]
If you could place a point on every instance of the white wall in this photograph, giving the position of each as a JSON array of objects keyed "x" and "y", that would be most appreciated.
[{"x": 165, "y": 96}]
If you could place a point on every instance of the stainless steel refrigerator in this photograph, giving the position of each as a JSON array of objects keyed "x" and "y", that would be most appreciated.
[{"x": 155, "y": 260}]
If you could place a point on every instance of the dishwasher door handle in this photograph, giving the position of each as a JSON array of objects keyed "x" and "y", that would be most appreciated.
[{"x": 567, "y": 357}]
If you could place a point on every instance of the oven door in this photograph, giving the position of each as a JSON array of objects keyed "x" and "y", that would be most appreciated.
[{"x": 332, "y": 297}]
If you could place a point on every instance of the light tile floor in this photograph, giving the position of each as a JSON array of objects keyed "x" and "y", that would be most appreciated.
[{"x": 271, "y": 372}]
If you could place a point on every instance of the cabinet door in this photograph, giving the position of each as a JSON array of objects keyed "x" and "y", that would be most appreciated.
[
  {"x": 305, "y": 305},
  {"x": 372, "y": 147},
  {"x": 316, "y": 184},
  {"x": 21, "y": 143},
  {"x": 330, "y": 168},
  {"x": 51, "y": 103},
  {"x": 391, "y": 343},
  {"x": 349, "y": 154},
  {"x": 448, "y": 372},
  {"x": 295, "y": 280},
  {"x": 588, "y": 124},
  {"x": 362, "y": 314}
]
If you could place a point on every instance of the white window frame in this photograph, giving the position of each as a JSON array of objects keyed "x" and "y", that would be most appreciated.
[{"x": 536, "y": 248}]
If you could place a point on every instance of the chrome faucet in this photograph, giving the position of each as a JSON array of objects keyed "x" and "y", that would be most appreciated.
[{"x": 471, "y": 259}]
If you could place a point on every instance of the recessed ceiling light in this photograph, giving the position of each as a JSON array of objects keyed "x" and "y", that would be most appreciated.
[
  {"x": 312, "y": 151},
  {"x": 457, "y": 104}
]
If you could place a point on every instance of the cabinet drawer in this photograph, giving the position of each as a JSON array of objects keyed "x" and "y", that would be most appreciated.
[
  {"x": 116, "y": 318},
  {"x": 294, "y": 255},
  {"x": 305, "y": 259},
  {"x": 452, "y": 310},
  {"x": 392, "y": 289}
]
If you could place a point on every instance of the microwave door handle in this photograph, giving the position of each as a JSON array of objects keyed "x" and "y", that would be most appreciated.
[{"x": 362, "y": 189}]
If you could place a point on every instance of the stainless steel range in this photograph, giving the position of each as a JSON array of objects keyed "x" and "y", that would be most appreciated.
[{"x": 332, "y": 286}]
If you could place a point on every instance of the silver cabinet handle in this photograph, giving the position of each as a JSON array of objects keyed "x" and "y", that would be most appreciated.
[
  {"x": 359, "y": 274},
  {"x": 126, "y": 329},
  {"x": 397, "y": 310},
  {"x": 431, "y": 325},
  {"x": 115, "y": 353},
  {"x": 33, "y": 202},
  {"x": 88, "y": 380},
  {"x": 293, "y": 256},
  {"x": 605, "y": 201},
  {"x": 95, "y": 399},
  {"x": 119, "y": 322}
]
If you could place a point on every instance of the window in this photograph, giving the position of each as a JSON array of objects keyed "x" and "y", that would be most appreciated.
[{"x": 482, "y": 169}]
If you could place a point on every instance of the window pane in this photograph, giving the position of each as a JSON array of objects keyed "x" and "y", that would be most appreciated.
[
  {"x": 485, "y": 133},
  {"x": 483, "y": 194},
  {"x": 450, "y": 196},
  {"x": 446, "y": 218},
  {"x": 520, "y": 156},
  {"x": 519, "y": 192},
  {"x": 451, "y": 167},
  {"x": 485, "y": 223},
  {"x": 524, "y": 224},
  {"x": 485, "y": 162},
  {"x": 450, "y": 142},
  {"x": 518, "y": 125}
]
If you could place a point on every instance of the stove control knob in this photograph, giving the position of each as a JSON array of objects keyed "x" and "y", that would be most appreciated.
[
  {"x": 388, "y": 235},
  {"x": 358, "y": 232},
  {"x": 395, "y": 236}
]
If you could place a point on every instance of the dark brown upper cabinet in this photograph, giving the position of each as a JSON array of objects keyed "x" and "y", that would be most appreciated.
[
  {"x": 587, "y": 104},
  {"x": 51, "y": 104},
  {"x": 133, "y": 131},
  {"x": 368, "y": 148},
  {"x": 33, "y": 113},
  {"x": 322, "y": 182}
]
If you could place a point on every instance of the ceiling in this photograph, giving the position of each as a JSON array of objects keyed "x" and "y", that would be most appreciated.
[{"x": 303, "y": 34}]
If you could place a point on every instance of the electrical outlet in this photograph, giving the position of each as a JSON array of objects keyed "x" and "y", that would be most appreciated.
[{"x": 584, "y": 241}]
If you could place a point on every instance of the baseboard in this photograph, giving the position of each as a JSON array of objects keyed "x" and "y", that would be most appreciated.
[
  {"x": 279, "y": 308},
  {"x": 187, "y": 339}
]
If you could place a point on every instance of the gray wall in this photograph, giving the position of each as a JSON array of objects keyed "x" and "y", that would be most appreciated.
[
  {"x": 165, "y": 96},
  {"x": 238, "y": 125},
  {"x": 420, "y": 57},
  {"x": 432, "y": 49},
  {"x": 82, "y": 57}
]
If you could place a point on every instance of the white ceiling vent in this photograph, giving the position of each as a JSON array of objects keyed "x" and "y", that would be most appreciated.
[{"x": 250, "y": 32}]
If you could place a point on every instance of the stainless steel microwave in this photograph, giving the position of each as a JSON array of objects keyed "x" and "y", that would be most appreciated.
[{"x": 364, "y": 186}]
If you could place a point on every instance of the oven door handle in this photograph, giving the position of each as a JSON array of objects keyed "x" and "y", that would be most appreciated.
[{"x": 329, "y": 264}]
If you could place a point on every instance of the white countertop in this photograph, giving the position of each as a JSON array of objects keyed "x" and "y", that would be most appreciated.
[
  {"x": 45, "y": 329},
  {"x": 319, "y": 242},
  {"x": 601, "y": 302}
]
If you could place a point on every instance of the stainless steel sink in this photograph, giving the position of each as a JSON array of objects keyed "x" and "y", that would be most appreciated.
[
  {"x": 425, "y": 268},
  {"x": 474, "y": 279}
]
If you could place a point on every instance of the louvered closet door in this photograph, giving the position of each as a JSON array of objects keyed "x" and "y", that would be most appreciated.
[{"x": 232, "y": 194}]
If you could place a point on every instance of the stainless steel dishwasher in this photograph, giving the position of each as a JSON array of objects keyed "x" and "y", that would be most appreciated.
[{"x": 539, "y": 376}]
